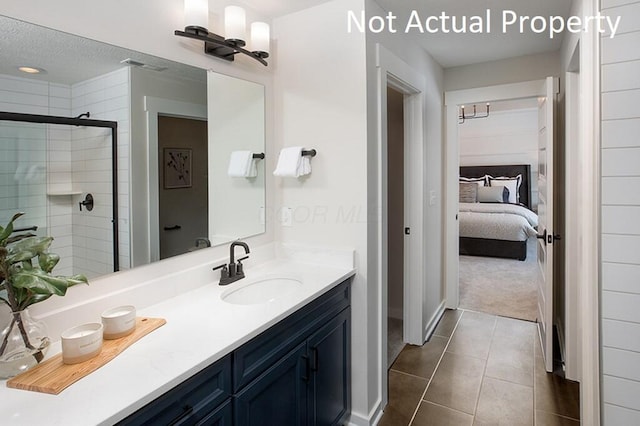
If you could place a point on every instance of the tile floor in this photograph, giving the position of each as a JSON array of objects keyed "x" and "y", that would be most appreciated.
[{"x": 478, "y": 369}]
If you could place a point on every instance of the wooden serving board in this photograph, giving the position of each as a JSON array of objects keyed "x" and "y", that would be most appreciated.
[{"x": 53, "y": 376}]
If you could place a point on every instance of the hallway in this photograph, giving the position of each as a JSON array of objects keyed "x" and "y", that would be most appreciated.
[{"x": 478, "y": 369}]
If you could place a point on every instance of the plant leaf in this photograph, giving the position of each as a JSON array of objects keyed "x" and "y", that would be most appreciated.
[
  {"x": 36, "y": 245},
  {"x": 38, "y": 281},
  {"x": 5, "y": 232},
  {"x": 17, "y": 238},
  {"x": 48, "y": 261},
  {"x": 20, "y": 256}
]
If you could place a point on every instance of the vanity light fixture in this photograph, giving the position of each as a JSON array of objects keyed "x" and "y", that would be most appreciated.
[
  {"x": 462, "y": 116},
  {"x": 196, "y": 14}
]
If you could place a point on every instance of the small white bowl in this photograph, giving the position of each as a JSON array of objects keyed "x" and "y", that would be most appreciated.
[
  {"x": 81, "y": 343},
  {"x": 119, "y": 322}
]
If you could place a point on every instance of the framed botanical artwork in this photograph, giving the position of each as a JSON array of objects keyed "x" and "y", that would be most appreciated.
[{"x": 177, "y": 168}]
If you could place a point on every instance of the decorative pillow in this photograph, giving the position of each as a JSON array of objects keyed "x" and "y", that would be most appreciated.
[
  {"x": 493, "y": 194},
  {"x": 480, "y": 181},
  {"x": 511, "y": 183},
  {"x": 469, "y": 192}
]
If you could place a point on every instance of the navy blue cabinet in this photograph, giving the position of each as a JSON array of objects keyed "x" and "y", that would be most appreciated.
[
  {"x": 330, "y": 361},
  {"x": 279, "y": 396},
  {"x": 191, "y": 401},
  {"x": 297, "y": 372}
]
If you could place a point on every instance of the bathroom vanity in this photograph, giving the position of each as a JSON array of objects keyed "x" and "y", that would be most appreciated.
[
  {"x": 295, "y": 373},
  {"x": 227, "y": 355}
]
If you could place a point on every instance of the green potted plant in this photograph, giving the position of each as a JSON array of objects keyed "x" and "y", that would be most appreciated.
[{"x": 25, "y": 279}]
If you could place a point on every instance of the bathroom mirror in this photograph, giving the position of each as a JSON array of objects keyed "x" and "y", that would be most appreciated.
[{"x": 174, "y": 192}]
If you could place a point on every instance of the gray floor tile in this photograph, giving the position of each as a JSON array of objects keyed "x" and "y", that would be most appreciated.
[
  {"x": 456, "y": 383},
  {"x": 436, "y": 415},
  {"x": 421, "y": 360},
  {"x": 504, "y": 403},
  {"x": 555, "y": 394},
  {"x": 548, "y": 419},
  {"x": 448, "y": 322},
  {"x": 405, "y": 392}
]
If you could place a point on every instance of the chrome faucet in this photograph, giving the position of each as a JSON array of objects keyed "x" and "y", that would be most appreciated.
[{"x": 234, "y": 271}]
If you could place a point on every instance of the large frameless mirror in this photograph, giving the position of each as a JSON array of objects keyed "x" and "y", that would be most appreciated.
[{"x": 174, "y": 190}]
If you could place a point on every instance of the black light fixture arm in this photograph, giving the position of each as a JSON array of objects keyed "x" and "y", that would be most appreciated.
[{"x": 217, "y": 46}]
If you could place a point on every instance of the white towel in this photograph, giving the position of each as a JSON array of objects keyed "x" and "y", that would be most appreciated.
[
  {"x": 291, "y": 163},
  {"x": 242, "y": 164}
]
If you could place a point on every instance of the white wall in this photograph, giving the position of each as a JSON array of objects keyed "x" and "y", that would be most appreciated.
[
  {"x": 504, "y": 71},
  {"x": 322, "y": 105},
  {"x": 505, "y": 137},
  {"x": 620, "y": 290}
]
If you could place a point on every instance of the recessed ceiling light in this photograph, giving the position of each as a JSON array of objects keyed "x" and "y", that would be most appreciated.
[{"x": 32, "y": 70}]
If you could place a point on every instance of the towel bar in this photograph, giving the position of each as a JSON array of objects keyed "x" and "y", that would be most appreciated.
[
  {"x": 260, "y": 156},
  {"x": 310, "y": 153}
]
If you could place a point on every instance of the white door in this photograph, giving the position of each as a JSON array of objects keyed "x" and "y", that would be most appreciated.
[{"x": 546, "y": 134}]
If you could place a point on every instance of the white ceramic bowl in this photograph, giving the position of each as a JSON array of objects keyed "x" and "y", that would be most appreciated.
[
  {"x": 119, "y": 322},
  {"x": 81, "y": 343}
]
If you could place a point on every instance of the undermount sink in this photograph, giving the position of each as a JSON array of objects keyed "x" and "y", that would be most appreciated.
[{"x": 262, "y": 290}]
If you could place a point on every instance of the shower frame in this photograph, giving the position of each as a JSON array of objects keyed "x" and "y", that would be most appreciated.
[{"x": 86, "y": 122}]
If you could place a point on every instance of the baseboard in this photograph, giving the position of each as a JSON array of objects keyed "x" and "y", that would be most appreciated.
[
  {"x": 373, "y": 418},
  {"x": 433, "y": 322}
]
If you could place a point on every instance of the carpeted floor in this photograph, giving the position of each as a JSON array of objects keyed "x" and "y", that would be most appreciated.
[{"x": 503, "y": 287}]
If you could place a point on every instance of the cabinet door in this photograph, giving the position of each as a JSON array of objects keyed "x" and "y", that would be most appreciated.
[
  {"x": 330, "y": 365},
  {"x": 278, "y": 396},
  {"x": 220, "y": 417}
]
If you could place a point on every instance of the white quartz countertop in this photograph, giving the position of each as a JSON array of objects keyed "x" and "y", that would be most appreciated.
[{"x": 200, "y": 329}]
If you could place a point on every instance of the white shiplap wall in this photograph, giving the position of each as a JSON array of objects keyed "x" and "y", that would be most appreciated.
[
  {"x": 505, "y": 137},
  {"x": 620, "y": 214}
]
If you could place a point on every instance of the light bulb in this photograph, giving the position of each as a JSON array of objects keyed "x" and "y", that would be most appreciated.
[
  {"x": 234, "y": 24},
  {"x": 260, "y": 38},
  {"x": 196, "y": 14}
]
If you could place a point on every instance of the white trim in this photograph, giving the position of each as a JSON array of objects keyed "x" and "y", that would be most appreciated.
[
  {"x": 573, "y": 225},
  {"x": 373, "y": 418},
  {"x": 153, "y": 107},
  {"x": 589, "y": 316},
  {"x": 394, "y": 72},
  {"x": 529, "y": 89},
  {"x": 433, "y": 322}
]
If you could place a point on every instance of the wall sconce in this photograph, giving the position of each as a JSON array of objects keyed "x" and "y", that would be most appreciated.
[
  {"x": 196, "y": 15},
  {"x": 462, "y": 116}
]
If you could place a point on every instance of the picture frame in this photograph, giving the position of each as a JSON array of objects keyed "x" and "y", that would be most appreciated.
[{"x": 177, "y": 168}]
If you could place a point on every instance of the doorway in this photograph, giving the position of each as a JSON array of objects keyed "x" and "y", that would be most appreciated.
[
  {"x": 182, "y": 184},
  {"x": 395, "y": 224},
  {"x": 499, "y": 142},
  {"x": 398, "y": 75},
  {"x": 543, "y": 90}
]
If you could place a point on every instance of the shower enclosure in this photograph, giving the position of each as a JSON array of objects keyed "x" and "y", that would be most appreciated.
[{"x": 62, "y": 172}]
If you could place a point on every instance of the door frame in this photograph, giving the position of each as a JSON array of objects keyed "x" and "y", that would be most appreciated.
[
  {"x": 154, "y": 107},
  {"x": 502, "y": 92},
  {"x": 395, "y": 73}
]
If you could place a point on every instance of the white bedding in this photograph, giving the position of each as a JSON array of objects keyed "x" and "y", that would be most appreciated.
[{"x": 497, "y": 221}]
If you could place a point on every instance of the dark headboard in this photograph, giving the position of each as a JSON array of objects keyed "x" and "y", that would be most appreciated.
[{"x": 506, "y": 170}]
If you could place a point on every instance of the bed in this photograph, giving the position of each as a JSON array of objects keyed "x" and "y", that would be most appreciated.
[{"x": 502, "y": 222}]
